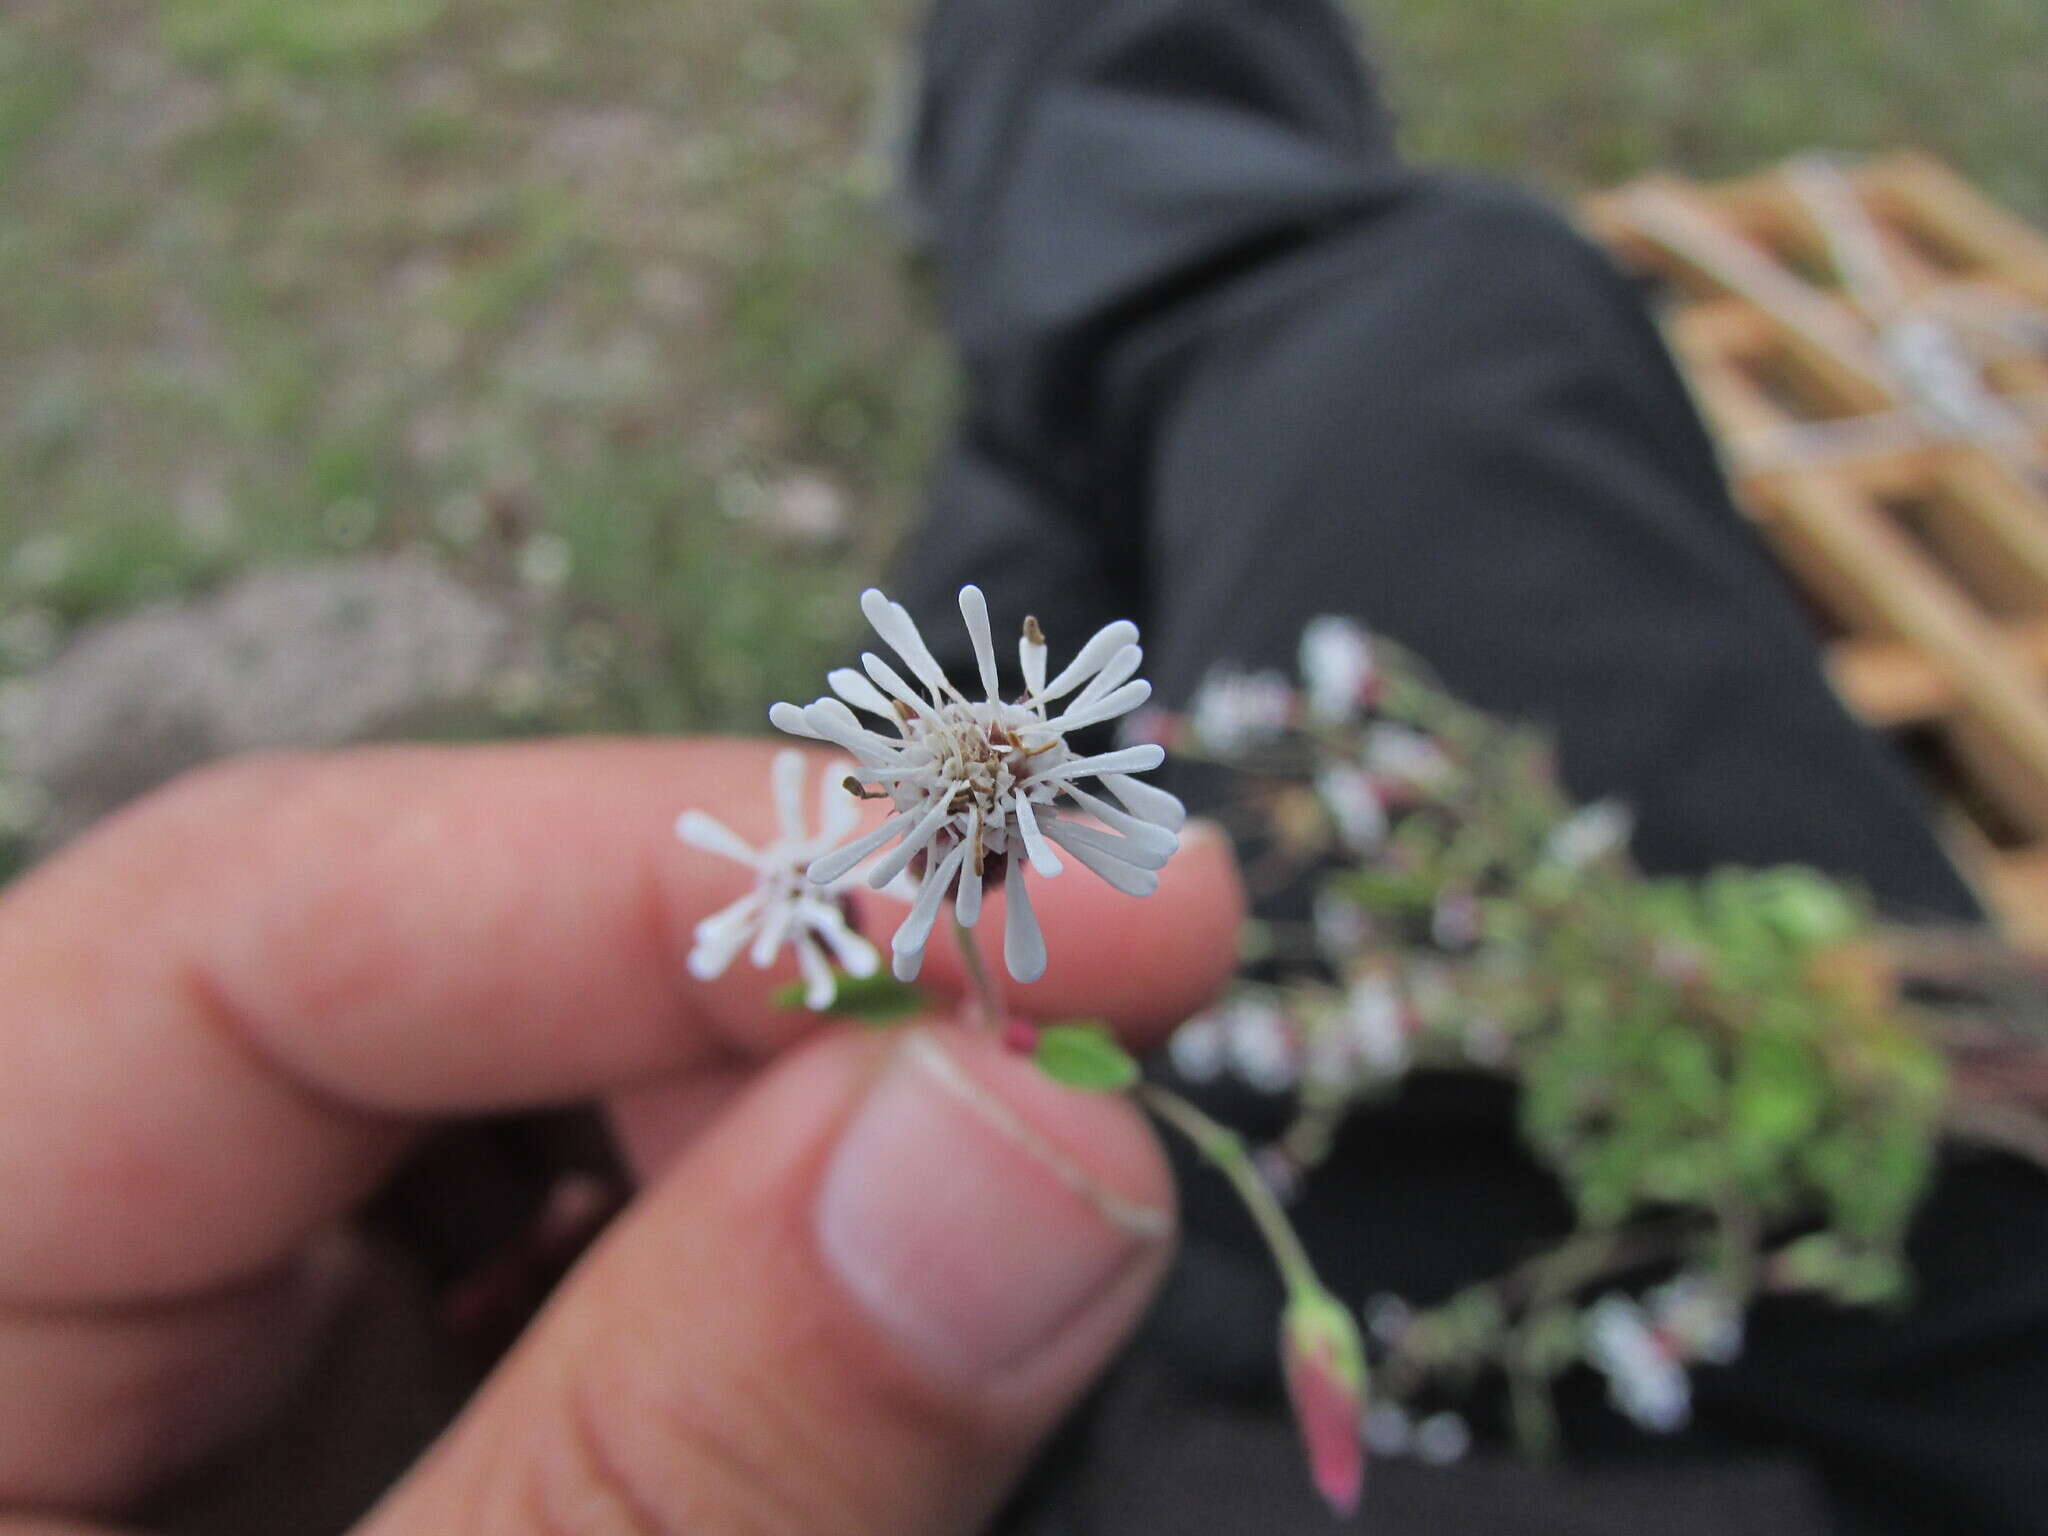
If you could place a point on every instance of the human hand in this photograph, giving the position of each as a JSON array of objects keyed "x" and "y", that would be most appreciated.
[{"x": 870, "y": 1274}]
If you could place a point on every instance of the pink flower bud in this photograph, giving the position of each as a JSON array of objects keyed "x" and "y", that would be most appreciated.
[{"x": 1325, "y": 1367}]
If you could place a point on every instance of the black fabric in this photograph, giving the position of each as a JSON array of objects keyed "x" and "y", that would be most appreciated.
[{"x": 1230, "y": 364}]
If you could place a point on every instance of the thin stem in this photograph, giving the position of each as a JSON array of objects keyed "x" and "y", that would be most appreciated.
[
  {"x": 1224, "y": 1150},
  {"x": 985, "y": 1006}
]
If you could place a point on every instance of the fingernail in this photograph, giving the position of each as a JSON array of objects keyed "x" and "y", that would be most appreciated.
[{"x": 960, "y": 1228}]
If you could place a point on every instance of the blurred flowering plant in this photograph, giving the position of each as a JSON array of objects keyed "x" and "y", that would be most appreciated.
[{"x": 1734, "y": 1080}]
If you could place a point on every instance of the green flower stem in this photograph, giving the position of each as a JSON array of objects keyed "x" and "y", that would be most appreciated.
[
  {"x": 1225, "y": 1151},
  {"x": 985, "y": 1006}
]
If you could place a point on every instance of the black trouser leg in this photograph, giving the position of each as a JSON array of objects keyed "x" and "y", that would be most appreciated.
[{"x": 1230, "y": 366}]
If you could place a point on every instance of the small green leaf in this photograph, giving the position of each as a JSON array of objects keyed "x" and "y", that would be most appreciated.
[
  {"x": 1085, "y": 1056},
  {"x": 879, "y": 1000}
]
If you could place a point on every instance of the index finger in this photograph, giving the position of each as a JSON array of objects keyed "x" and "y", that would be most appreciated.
[{"x": 227, "y": 1008}]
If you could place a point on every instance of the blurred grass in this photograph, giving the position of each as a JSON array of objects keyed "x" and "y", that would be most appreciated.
[{"x": 571, "y": 295}]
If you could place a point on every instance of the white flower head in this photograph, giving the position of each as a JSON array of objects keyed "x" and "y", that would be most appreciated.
[
  {"x": 784, "y": 907},
  {"x": 1646, "y": 1378},
  {"x": 1337, "y": 669},
  {"x": 977, "y": 786}
]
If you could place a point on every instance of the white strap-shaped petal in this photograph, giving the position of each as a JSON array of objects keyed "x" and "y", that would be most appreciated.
[
  {"x": 967, "y": 900},
  {"x": 916, "y": 929},
  {"x": 819, "y": 987},
  {"x": 1148, "y": 801},
  {"x": 974, "y": 609},
  {"x": 824, "y": 871},
  {"x": 1105, "y": 643},
  {"x": 721, "y": 935},
  {"x": 775, "y": 925},
  {"x": 856, "y": 956},
  {"x": 859, "y": 692},
  {"x": 927, "y": 828},
  {"x": 892, "y": 621},
  {"x": 700, "y": 829},
  {"x": 892, "y": 681},
  {"x": 1128, "y": 878},
  {"x": 1119, "y": 669},
  {"x": 786, "y": 774},
  {"x": 1124, "y": 760},
  {"x": 834, "y": 722},
  {"x": 1023, "y": 941},
  {"x": 790, "y": 718},
  {"x": 1086, "y": 711},
  {"x": 1144, "y": 834},
  {"x": 838, "y": 811},
  {"x": 1031, "y": 660},
  {"x": 1043, "y": 859},
  {"x": 1128, "y": 849}
]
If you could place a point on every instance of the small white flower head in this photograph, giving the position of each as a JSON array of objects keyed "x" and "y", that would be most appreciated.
[
  {"x": 1261, "y": 1047},
  {"x": 1696, "y": 1319},
  {"x": 1646, "y": 1379},
  {"x": 976, "y": 786},
  {"x": 1442, "y": 1439},
  {"x": 1590, "y": 835},
  {"x": 1341, "y": 926},
  {"x": 1387, "y": 1318},
  {"x": 1389, "y": 1431},
  {"x": 1379, "y": 1024},
  {"x": 1405, "y": 755},
  {"x": 1336, "y": 667},
  {"x": 784, "y": 907},
  {"x": 1355, "y": 807},
  {"x": 1235, "y": 710},
  {"x": 1198, "y": 1048}
]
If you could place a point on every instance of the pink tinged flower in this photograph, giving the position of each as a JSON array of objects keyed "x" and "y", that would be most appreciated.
[
  {"x": 1355, "y": 807},
  {"x": 1646, "y": 1378},
  {"x": 981, "y": 789},
  {"x": 1341, "y": 925},
  {"x": 1455, "y": 923},
  {"x": 785, "y": 907},
  {"x": 1324, "y": 1363},
  {"x": 1336, "y": 666},
  {"x": 1696, "y": 1320}
]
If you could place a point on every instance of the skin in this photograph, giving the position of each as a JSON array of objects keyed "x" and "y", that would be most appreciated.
[{"x": 227, "y": 1012}]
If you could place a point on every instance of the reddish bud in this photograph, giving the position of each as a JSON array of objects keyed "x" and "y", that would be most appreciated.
[
  {"x": 1020, "y": 1037},
  {"x": 1325, "y": 1366}
]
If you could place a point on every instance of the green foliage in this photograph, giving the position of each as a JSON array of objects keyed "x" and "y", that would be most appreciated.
[
  {"x": 1085, "y": 1056},
  {"x": 879, "y": 1000},
  {"x": 293, "y": 34},
  {"x": 1590, "y": 91}
]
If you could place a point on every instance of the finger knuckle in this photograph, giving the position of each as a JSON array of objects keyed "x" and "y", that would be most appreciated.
[{"x": 633, "y": 1456}]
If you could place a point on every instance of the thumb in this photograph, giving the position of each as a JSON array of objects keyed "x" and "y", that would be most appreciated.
[{"x": 851, "y": 1309}]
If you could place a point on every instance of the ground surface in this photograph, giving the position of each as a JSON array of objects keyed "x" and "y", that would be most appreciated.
[{"x": 590, "y": 301}]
